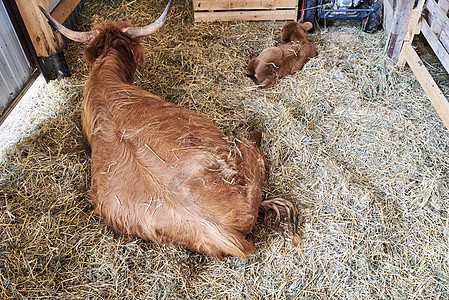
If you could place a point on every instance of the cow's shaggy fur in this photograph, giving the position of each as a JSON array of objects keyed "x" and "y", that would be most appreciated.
[{"x": 160, "y": 171}]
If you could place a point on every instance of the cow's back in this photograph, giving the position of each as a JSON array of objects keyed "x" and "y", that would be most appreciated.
[{"x": 167, "y": 174}]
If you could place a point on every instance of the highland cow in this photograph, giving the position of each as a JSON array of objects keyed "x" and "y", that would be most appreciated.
[{"x": 160, "y": 171}]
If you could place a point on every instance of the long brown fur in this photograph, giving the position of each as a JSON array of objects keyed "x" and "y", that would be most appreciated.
[
  {"x": 276, "y": 62},
  {"x": 162, "y": 172}
]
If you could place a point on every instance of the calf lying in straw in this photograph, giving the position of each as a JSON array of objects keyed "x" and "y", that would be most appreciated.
[
  {"x": 160, "y": 171},
  {"x": 276, "y": 62}
]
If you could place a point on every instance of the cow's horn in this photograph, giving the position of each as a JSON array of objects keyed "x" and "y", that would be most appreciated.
[
  {"x": 84, "y": 37},
  {"x": 136, "y": 32}
]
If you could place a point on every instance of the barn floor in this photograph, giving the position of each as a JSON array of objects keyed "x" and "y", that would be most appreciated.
[
  {"x": 352, "y": 139},
  {"x": 40, "y": 102}
]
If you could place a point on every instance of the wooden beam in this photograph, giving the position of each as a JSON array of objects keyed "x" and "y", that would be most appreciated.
[
  {"x": 436, "y": 45},
  {"x": 414, "y": 27},
  {"x": 432, "y": 90},
  {"x": 46, "y": 42},
  {"x": 442, "y": 6},
  {"x": 388, "y": 15},
  {"x": 63, "y": 10},
  {"x": 439, "y": 15},
  {"x": 399, "y": 25},
  {"x": 444, "y": 39}
]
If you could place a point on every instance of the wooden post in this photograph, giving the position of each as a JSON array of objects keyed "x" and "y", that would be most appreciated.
[
  {"x": 63, "y": 10},
  {"x": 414, "y": 27},
  {"x": 44, "y": 40},
  {"x": 47, "y": 43},
  {"x": 388, "y": 15},
  {"x": 396, "y": 35},
  {"x": 428, "y": 84}
]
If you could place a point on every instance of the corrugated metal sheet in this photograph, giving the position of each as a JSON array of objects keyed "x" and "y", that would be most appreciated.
[{"x": 15, "y": 69}]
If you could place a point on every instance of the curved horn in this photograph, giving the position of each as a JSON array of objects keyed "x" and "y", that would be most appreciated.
[
  {"x": 84, "y": 37},
  {"x": 135, "y": 32}
]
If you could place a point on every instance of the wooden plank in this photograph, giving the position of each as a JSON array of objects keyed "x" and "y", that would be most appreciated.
[
  {"x": 246, "y": 15},
  {"x": 45, "y": 41},
  {"x": 63, "y": 10},
  {"x": 439, "y": 15},
  {"x": 444, "y": 4},
  {"x": 444, "y": 39},
  {"x": 436, "y": 27},
  {"x": 432, "y": 90},
  {"x": 414, "y": 27},
  {"x": 398, "y": 29},
  {"x": 212, "y": 5},
  {"x": 437, "y": 48},
  {"x": 388, "y": 15}
]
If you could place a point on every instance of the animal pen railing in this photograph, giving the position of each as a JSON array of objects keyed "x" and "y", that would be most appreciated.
[{"x": 403, "y": 21}]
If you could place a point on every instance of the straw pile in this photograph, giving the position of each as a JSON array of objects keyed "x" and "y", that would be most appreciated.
[{"x": 351, "y": 139}]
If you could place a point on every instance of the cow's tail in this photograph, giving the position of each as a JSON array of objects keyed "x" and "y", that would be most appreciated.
[
  {"x": 275, "y": 210},
  {"x": 220, "y": 243}
]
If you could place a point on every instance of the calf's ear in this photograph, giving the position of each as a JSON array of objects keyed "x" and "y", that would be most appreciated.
[{"x": 307, "y": 26}]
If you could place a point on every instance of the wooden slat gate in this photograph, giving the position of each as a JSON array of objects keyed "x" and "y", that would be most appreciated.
[
  {"x": 431, "y": 19},
  {"x": 250, "y": 10}
]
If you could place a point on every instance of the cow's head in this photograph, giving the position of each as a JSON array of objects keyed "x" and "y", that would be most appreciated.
[{"x": 121, "y": 36}]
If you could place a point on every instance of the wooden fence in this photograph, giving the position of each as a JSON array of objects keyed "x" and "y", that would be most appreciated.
[
  {"x": 250, "y": 10},
  {"x": 402, "y": 22}
]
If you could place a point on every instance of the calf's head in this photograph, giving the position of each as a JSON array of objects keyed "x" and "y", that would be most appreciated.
[{"x": 294, "y": 31}]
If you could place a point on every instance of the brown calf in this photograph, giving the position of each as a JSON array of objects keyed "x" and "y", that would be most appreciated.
[
  {"x": 276, "y": 62},
  {"x": 160, "y": 171}
]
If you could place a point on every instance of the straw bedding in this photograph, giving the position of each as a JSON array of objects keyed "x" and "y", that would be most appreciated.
[{"x": 351, "y": 139}]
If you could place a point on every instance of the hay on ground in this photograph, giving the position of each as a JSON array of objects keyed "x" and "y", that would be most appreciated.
[{"x": 351, "y": 138}]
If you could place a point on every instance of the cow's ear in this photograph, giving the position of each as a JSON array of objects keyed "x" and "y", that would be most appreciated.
[
  {"x": 90, "y": 54},
  {"x": 307, "y": 26},
  {"x": 287, "y": 31},
  {"x": 138, "y": 53}
]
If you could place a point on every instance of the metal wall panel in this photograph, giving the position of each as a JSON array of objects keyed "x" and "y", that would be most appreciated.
[{"x": 15, "y": 69}]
